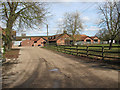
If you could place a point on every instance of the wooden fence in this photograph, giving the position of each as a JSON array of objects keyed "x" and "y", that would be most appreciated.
[{"x": 101, "y": 52}]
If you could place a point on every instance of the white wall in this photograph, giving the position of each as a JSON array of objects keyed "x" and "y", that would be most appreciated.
[
  {"x": 113, "y": 41},
  {"x": 16, "y": 43}
]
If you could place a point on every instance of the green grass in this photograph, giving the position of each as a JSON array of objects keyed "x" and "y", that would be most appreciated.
[
  {"x": 105, "y": 45},
  {"x": 73, "y": 50}
]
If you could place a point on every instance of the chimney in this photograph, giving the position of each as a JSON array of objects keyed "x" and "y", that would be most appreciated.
[
  {"x": 23, "y": 34},
  {"x": 64, "y": 32}
]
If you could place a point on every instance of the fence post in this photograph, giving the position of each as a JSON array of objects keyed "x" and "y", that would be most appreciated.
[
  {"x": 87, "y": 51},
  {"x": 64, "y": 48},
  {"x": 60, "y": 48},
  {"x": 102, "y": 52},
  {"x": 57, "y": 47},
  {"x": 77, "y": 49},
  {"x": 70, "y": 49}
]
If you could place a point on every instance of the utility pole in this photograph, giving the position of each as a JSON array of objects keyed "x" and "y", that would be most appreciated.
[
  {"x": 47, "y": 31},
  {"x": 47, "y": 34}
]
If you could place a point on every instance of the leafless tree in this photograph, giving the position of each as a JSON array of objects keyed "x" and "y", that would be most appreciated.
[
  {"x": 103, "y": 35},
  {"x": 22, "y": 15},
  {"x": 110, "y": 20},
  {"x": 72, "y": 24}
]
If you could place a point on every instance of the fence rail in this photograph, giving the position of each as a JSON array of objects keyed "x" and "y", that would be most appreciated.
[{"x": 102, "y": 52}]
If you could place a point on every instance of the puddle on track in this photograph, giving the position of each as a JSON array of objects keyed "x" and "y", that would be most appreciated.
[
  {"x": 54, "y": 70},
  {"x": 56, "y": 83}
]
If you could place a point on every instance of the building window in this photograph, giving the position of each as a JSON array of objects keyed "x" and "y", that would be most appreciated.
[
  {"x": 95, "y": 40},
  {"x": 35, "y": 41},
  {"x": 39, "y": 45},
  {"x": 88, "y": 41}
]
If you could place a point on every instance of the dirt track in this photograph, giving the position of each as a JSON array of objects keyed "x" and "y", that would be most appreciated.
[{"x": 41, "y": 68}]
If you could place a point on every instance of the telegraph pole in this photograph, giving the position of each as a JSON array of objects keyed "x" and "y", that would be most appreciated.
[
  {"x": 47, "y": 31},
  {"x": 47, "y": 34}
]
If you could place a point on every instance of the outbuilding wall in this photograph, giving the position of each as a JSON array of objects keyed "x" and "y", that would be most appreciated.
[
  {"x": 40, "y": 42},
  {"x": 27, "y": 43},
  {"x": 61, "y": 40}
]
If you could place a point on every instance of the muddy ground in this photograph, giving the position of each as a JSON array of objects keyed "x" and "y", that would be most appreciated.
[{"x": 40, "y": 68}]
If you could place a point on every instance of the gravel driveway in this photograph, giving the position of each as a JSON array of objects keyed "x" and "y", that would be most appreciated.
[{"x": 41, "y": 68}]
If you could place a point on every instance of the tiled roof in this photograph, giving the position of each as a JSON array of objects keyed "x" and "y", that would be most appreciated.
[
  {"x": 54, "y": 37},
  {"x": 92, "y": 37},
  {"x": 80, "y": 37},
  {"x": 18, "y": 38},
  {"x": 45, "y": 38},
  {"x": 35, "y": 38}
]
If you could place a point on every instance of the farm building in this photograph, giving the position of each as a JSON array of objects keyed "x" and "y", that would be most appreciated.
[
  {"x": 84, "y": 39},
  {"x": 59, "y": 39},
  {"x": 41, "y": 42},
  {"x": 27, "y": 43}
]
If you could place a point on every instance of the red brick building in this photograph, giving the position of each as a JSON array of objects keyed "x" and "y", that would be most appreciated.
[
  {"x": 60, "y": 39},
  {"x": 35, "y": 39},
  {"x": 41, "y": 42},
  {"x": 84, "y": 39},
  {"x": 27, "y": 43}
]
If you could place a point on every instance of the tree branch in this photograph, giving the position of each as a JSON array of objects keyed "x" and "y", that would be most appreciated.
[
  {"x": 9, "y": 4},
  {"x": 5, "y": 11},
  {"x": 23, "y": 9},
  {"x": 16, "y": 4}
]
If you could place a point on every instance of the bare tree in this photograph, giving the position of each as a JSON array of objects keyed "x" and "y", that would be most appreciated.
[
  {"x": 110, "y": 20},
  {"x": 72, "y": 24},
  {"x": 22, "y": 15},
  {"x": 103, "y": 35}
]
